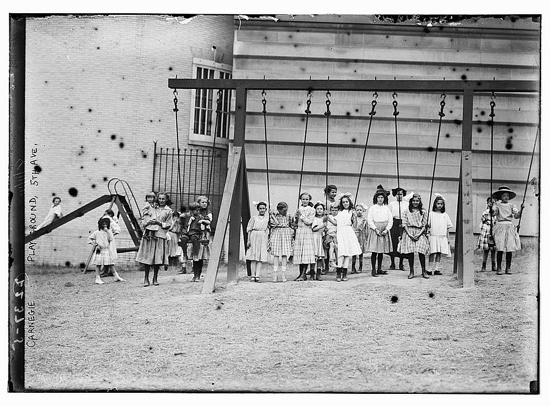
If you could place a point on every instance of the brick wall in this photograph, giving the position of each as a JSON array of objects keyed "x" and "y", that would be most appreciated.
[{"x": 97, "y": 98}]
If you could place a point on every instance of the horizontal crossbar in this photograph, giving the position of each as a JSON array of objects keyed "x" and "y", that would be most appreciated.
[{"x": 360, "y": 85}]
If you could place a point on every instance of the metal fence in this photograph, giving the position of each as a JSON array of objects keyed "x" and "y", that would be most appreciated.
[{"x": 201, "y": 172}]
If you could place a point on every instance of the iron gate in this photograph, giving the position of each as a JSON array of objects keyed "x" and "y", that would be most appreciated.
[{"x": 202, "y": 172}]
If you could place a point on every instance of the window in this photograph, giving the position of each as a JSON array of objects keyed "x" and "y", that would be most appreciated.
[{"x": 207, "y": 121}]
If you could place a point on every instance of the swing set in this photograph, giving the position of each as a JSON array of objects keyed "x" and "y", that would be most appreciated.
[{"x": 235, "y": 203}]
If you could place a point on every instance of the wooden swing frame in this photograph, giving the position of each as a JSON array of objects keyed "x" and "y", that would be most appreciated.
[{"x": 235, "y": 204}]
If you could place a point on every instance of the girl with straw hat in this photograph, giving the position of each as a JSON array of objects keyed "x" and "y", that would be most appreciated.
[{"x": 504, "y": 231}]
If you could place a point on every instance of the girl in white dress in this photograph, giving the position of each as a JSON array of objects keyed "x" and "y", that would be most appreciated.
[
  {"x": 101, "y": 239},
  {"x": 439, "y": 224},
  {"x": 348, "y": 245}
]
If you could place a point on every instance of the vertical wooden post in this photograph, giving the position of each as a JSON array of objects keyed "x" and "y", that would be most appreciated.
[
  {"x": 466, "y": 274},
  {"x": 457, "y": 264},
  {"x": 236, "y": 203}
]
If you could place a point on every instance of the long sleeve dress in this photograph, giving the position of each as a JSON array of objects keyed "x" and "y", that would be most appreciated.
[
  {"x": 304, "y": 250},
  {"x": 414, "y": 222},
  {"x": 258, "y": 238},
  {"x": 154, "y": 251},
  {"x": 348, "y": 245},
  {"x": 379, "y": 218}
]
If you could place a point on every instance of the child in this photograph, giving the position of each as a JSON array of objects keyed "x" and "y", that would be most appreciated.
[
  {"x": 348, "y": 246},
  {"x": 280, "y": 243},
  {"x": 153, "y": 251},
  {"x": 257, "y": 230},
  {"x": 318, "y": 228},
  {"x": 415, "y": 221},
  {"x": 360, "y": 227},
  {"x": 115, "y": 229},
  {"x": 206, "y": 218},
  {"x": 172, "y": 241},
  {"x": 330, "y": 242},
  {"x": 397, "y": 207},
  {"x": 101, "y": 239},
  {"x": 53, "y": 215},
  {"x": 486, "y": 241},
  {"x": 439, "y": 224},
  {"x": 304, "y": 250},
  {"x": 191, "y": 234},
  {"x": 149, "y": 213},
  {"x": 380, "y": 222},
  {"x": 504, "y": 232},
  {"x": 330, "y": 195}
]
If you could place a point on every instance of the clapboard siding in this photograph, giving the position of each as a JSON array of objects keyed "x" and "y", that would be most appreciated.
[{"x": 359, "y": 48}]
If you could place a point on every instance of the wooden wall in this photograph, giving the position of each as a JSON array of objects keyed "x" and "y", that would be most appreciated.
[{"x": 359, "y": 47}]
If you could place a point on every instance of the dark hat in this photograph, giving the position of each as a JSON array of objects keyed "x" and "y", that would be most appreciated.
[
  {"x": 381, "y": 191},
  {"x": 397, "y": 189},
  {"x": 501, "y": 190}
]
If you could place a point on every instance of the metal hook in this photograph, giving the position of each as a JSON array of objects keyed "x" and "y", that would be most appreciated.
[
  {"x": 375, "y": 95},
  {"x": 394, "y": 95}
]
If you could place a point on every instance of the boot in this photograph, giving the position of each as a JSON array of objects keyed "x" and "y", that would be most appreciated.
[
  {"x": 373, "y": 272},
  {"x": 344, "y": 274},
  {"x": 483, "y": 267},
  {"x": 194, "y": 272},
  {"x": 318, "y": 275},
  {"x": 401, "y": 267},
  {"x": 338, "y": 274},
  {"x": 199, "y": 270},
  {"x": 411, "y": 274},
  {"x": 353, "y": 262},
  {"x": 302, "y": 276},
  {"x": 360, "y": 269},
  {"x": 494, "y": 266},
  {"x": 425, "y": 274}
]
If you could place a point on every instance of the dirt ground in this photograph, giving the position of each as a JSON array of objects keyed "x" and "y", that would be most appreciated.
[{"x": 313, "y": 336}]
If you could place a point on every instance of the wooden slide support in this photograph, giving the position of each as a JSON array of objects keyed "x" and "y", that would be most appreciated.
[{"x": 235, "y": 171}]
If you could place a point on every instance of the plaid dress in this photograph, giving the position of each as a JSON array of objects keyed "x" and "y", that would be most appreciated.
[
  {"x": 304, "y": 250},
  {"x": 281, "y": 242},
  {"x": 485, "y": 226},
  {"x": 414, "y": 222}
]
